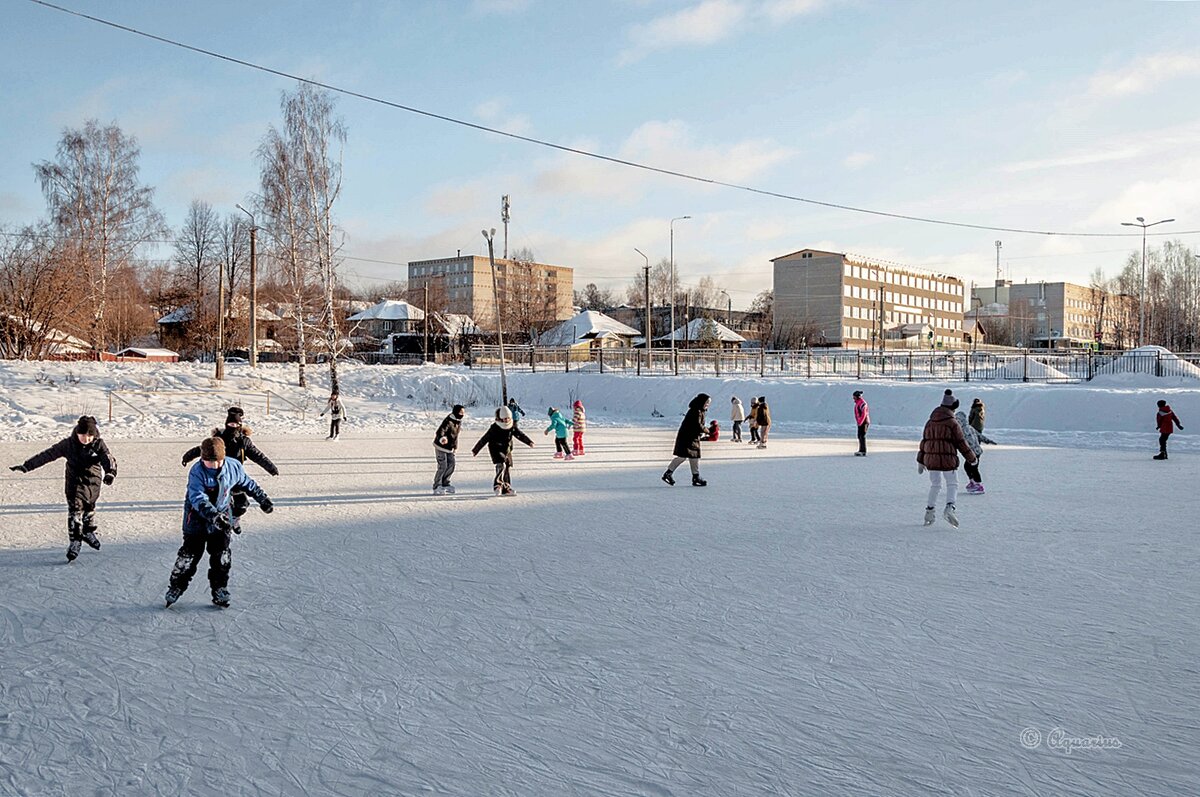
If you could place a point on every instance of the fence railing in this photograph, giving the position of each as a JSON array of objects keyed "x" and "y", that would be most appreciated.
[{"x": 912, "y": 366}]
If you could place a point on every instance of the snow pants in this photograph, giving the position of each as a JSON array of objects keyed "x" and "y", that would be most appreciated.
[
  {"x": 692, "y": 462},
  {"x": 737, "y": 431},
  {"x": 335, "y": 428},
  {"x": 577, "y": 443},
  {"x": 935, "y": 485},
  {"x": 1162, "y": 442},
  {"x": 445, "y": 468},
  {"x": 862, "y": 436},
  {"x": 192, "y": 551},
  {"x": 81, "y": 512},
  {"x": 560, "y": 445}
]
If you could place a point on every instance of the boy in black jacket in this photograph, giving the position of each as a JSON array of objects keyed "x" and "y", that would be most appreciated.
[
  {"x": 498, "y": 439},
  {"x": 445, "y": 443},
  {"x": 237, "y": 446},
  {"x": 88, "y": 463}
]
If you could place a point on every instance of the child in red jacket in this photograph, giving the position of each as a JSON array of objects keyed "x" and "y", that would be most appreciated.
[
  {"x": 713, "y": 433},
  {"x": 1167, "y": 421}
]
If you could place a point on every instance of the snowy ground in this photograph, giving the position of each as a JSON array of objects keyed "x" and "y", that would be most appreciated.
[{"x": 790, "y": 629}]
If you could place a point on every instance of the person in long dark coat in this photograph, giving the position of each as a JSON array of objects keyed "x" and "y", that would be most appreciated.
[
  {"x": 89, "y": 462},
  {"x": 687, "y": 442}
]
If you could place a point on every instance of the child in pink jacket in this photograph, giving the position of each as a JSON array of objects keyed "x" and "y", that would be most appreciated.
[{"x": 579, "y": 424}]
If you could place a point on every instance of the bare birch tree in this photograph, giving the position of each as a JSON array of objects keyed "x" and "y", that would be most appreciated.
[{"x": 38, "y": 293}]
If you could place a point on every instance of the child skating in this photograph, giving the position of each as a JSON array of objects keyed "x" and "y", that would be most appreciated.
[
  {"x": 713, "y": 433},
  {"x": 752, "y": 419},
  {"x": 579, "y": 424},
  {"x": 445, "y": 444},
  {"x": 208, "y": 520},
  {"x": 89, "y": 463},
  {"x": 737, "y": 414},
  {"x": 517, "y": 412},
  {"x": 559, "y": 425},
  {"x": 974, "y": 477},
  {"x": 337, "y": 413},
  {"x": 687, "y": 442},
  {"x": 498, "y": 438},
  {"x": 238, "y": 445},
  {"x": 762, "y": 415},
  {"x": 862, "y": 419},
  {"x": 941, "y": 441},
  {"x": 1164, "y": 420}
]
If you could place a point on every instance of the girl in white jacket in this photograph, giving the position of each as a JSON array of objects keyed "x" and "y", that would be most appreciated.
[{"x": 737, "y": 414}]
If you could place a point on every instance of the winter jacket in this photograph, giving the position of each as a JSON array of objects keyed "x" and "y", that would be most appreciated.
[
  {"x": 713, "y": 433},
  {"x": 515, "y": 409},
  {"x": 559, "y": 424},
  {"x": 336, "y": 410},
  {"x": 862, "y": 413},
  {"x": 941, "y": 440},
  {"x": 237, "y": 446},
  {"x": 446, "y": 436},
  {"x": 499, "y": 443},
  {"x": 86, "y": 466},
  {"x": 738, "y": 413},
  {"x": 764, "y": 414},
  {"x": 1166, "y": 417},
  {"x": 687, "y": 439},
  {"x": 977, "y": 416},
  {"x": 208, "y": 494},
  {"x": 579, "y": 420},
  {"x": 969, "y": 434},
  {"x": 752, "y": 416}
]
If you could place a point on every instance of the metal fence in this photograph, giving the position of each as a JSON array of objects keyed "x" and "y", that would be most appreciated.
[{"x": 911, "y": 366}]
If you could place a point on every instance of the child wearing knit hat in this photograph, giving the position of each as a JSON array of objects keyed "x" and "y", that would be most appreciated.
[{"x": 89, "y": 463}]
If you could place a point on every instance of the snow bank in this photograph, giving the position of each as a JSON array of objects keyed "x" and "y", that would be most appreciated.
[
  {"x": 1146, "y": 360},
  {"x": 39, "y": 400}
]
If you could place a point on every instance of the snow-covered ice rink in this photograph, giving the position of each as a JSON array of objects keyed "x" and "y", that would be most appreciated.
[{"x": 790, "y": 629}]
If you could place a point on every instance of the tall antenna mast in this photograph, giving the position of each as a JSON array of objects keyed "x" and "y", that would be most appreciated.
[
  {"x": 504, "y": 218},
  {"x": 998, "y": 279}
]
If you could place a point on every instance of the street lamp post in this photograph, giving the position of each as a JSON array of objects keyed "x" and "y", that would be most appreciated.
[
  {"x": 649, "y": 332},
  {"x": 728, "y": 311},
  {"x": 490, "y": 238},
  {"x": 1141, "y": 222},
  {"x": 673, "y": 285}
]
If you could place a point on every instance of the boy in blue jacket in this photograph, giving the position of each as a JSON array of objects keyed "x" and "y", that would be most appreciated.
[{"x": 208, "y": 520}]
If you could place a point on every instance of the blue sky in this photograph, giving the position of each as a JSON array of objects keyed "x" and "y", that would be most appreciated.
[{"x": 1061, "y": 116}]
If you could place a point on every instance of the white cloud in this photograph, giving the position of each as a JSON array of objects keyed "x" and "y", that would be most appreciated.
[
  {"x": 1077, "y": 159},
  {"x": 779, "y": 11},
  {"x": 706, "y": 23},
  {"x": 858, "y": 160},
  {"x": 1144, "y": 74},
  {"x": 494, "y": 113},
  {"x": 1176, "y": 196}
]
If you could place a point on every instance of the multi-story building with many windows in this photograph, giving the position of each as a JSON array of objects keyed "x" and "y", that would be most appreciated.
[
  {"x": 463, "y": 284},
  {"x": 1054, "y": 315},
  {"x": 833, "y": 299}
]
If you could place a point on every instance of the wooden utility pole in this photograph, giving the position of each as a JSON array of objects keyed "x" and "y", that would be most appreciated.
[
  {"x": 426, "y": 320},
  {"x": 221, "y": 329},
  {"x": 649, "y": 331},
  {"x": 253, "y": 348}
]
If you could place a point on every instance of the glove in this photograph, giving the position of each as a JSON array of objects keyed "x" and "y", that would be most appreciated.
[
  {"x": 267, "y": 506},
  {"x": 184, "y": 462},
  {"x": 221, "y": 523},
  {"x": 19, "y": 469},
  {"x": 920, "y": 468},
  {"x": 109, "y": 478},
  {"x": 274, "y": 472}
]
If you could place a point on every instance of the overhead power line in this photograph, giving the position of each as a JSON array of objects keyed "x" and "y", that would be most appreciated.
[{"x": 582, "y": 152}]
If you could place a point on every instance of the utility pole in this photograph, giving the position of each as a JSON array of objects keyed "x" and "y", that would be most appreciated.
[
  {"x": 426, "y": 325},
  {"x": 504, "y": 218},
  {"x": 649, "y": 334},
  {"x": 253, "y": 289},
  {"x": 221, "y": 329},
  {"x": 490, "y": 237},
  {"x": 673, "y": 285},
  {"x": 998, "y": 279}
]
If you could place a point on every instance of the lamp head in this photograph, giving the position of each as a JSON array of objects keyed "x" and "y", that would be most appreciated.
[{"x": 1139, "y": 218}]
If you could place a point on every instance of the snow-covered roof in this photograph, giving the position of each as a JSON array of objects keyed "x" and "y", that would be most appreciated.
[
  {"x": 695, "y": 330},
  {"x": 390, "y": 310},
  {"x": 587, "y": 325},
  {"x": 180, "y": 315},
  {"x": 457, "y": 323},
  {"x": 137, "y": 351},
  {"x": 61, "y": 342}
]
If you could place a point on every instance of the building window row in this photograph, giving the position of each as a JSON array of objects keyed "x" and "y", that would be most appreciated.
[{"x": 901, "y": 279}]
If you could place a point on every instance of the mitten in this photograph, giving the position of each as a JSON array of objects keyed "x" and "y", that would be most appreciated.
[
  {"x": 184, "y": 462},
  {"x": 266, "y": 506},
  {"x": 221, "y": 523},
  {"x": 920, "y": 468},
  {"x": 109, "y": 478}
]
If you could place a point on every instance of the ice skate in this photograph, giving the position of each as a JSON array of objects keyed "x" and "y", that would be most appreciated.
[
  {"x": 496, "y": 490},
  {"x": 73, "y": 550},
  {"x": 950, "y": 516},
  {"x": 1163, "y": 455},
  {"x": 173, "y": 595},
  {"x": 569, "y": 457},
  {"x": 449, "y": 488},
  {"x": 439, "y": 490},
  {"x": 89, "y": 536},
  {"x": 668, "y": 478},
  {"x": 508, "y": 491},
  {"x": 860, "y": 453},
  {"x": 930, "y": 516},
  {"x": 558, "y": 455},
  {"x": 697, "y": 481},
  {"x": 974, "y": 488},
  {"x": 221, "y": 597}
]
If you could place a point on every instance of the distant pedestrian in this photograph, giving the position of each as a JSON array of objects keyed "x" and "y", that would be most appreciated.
[
  {"x": 445, "y": 444},
  {"x": 737, "y": 414},
  {"x": 763, "y": 415},
  {"x": 941, "y": 441},
  {"x": 337, "y": 413},
  {"x": 687, "y": 442},
  {"x": 752, "y": 419},
  {"x": 559, "y": 425},
  {"x": 579, "y": 424},
  {"x": 498, "y": 439},
  {"x": 89, "y": 463},
  {"x": 1166, "y": 420},
  {"x": 862, "y": 418}
]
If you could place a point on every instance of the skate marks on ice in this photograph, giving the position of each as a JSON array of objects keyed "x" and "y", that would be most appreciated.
[{"x": 786, "y": 630}]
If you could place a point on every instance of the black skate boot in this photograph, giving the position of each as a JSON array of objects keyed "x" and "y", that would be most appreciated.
[
  {"x": 173, "y": 595},
  {"x": 697, "y": 481},
  {"x": 89, "y": 536},
  {"x": 668, "y": 478},
  {"x": 73, "y": 550},
  {"x": 1163, "y": 455},
  {"x": 221, "y": 597}
]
